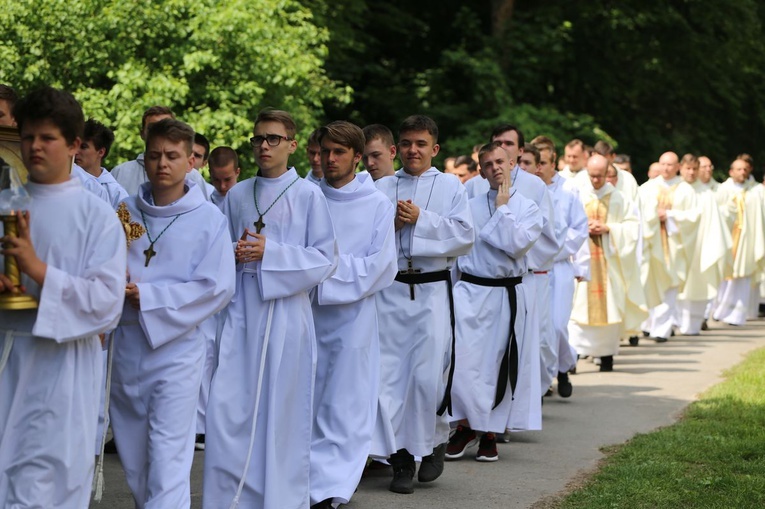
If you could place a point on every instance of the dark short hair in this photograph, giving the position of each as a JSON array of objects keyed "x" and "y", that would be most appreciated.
[
  {"x": 533, "y": 150},
  {"x": 346, "y": 134},
  {"x": 503, "y": 128},
  {"x": 281, "y": 116},
  {"x": 489, "y": 147},
  {"x": 472, "y": 165},
  {"x": 378, "y": 132},
  {"x": 173, "y": 130},
  {"x": 57, "y": 106},
  {"x": 223, "y": 156},
  {"x": 200, "y": 139},
  {"x": 153, "y": 111},
  {"x": 419, "y": 123},
  {"x": 576, "y": 142},
  {"x": 99, "y": 135},
  {"x": 9, "y": 95},
  {"x": 622, "y": 158}
]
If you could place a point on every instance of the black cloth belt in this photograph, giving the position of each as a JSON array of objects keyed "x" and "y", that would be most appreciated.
[
  {"x": 508, "y": 369},
  {"x": 433, "y": 277}
]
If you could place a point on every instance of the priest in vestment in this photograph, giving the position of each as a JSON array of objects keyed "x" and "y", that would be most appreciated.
[
  {"x": 742, "y": 209},
  {"x": 345, "y": 317},
  {"x": 597, "y": 319},
  {"x": 181, "y": 272},
  {"x": 670, "y": 218},
  {"x": 491, "y": 308},
  {"x": 70, "y": 251},
  {"x": 710, "y": 254},
  {"x": 260, "y": 410},
  {"x": 433, "y": 226}
]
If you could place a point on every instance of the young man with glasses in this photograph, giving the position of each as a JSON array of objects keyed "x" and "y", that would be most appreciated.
[{"x": 261, "y": 400}]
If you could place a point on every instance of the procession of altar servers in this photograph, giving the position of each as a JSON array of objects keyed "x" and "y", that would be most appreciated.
[{"x": 333, "y": 382}]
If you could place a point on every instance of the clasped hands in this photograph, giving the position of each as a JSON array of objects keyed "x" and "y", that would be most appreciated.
[
  {"x": 597, "y": 227},
  {"x": 406, "y": 213},
  {"x": 247, "y": 251}
]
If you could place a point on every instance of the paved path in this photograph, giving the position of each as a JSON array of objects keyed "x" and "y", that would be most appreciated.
[{"x": 651, "y": 384}]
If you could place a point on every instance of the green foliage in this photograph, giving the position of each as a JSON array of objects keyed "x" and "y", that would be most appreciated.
[
  {"x": 216, "y": 64},
  {"x": 712, "y": 458}
]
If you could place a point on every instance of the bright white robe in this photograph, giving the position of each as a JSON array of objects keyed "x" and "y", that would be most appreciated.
[
  {"x": 49, "y": 389},
  {"x": 476, "y": 186},
  {"x": 504, "y": 237},
  {"x": 416, "y": 335},
  {"x": 572, "y": 232},
  {"x": 310, "y": 177},
  {"x": 300, "y": 253},
  {"x": 131, "y": 174},
  {"x": 539, "y": 346},
  {"x": 159, "y": 349},
  {"x": 619, "y": 246},
  {"x": 710, "y": 254},
  {"x": 348, "y": 349},
  {"x": 115, "y": 192},
  {"x": 90, "y": 182}
]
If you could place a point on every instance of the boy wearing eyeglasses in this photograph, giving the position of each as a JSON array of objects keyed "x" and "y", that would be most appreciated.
[{"x": 261, "y": 398}]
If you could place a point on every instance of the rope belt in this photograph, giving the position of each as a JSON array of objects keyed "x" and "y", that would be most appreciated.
[
  {"x": 433, "y": 277},
  {"x": 508, "y": 369}
]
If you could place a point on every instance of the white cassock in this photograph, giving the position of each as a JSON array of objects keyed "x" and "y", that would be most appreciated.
[
  {"x": 742, "y": 209},
  {"x": 600, "y": 304},
  {"x": 114, "y": 191},
  {"x": 310, "y": 177},
  {"x": 416, "y": 335},
  {"x": 538, "y": 347},
  {"x": 131, "y": 174},
  {"x": 209, "y": 330},
  {"x": 709, "y": 257},
  {"x": 272, "y": 296},
  {"x": 483, "y": 313},
  {"x": 90, "y": 183},
  {"x": 476, "y": 186},
  {"x": 348, "y": 349},
  {"x": 670, "y": 246},
  {"x": 572, "y": 232},
  {"x": 49, "y": 388},
  {"x": 159, "y": 349}
]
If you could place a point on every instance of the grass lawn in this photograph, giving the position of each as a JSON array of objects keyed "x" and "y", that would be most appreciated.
[{"x": 714, "y": 457}]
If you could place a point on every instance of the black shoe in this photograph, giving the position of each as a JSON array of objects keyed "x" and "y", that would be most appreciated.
[
  {"x": 634, "y": 340},
  {"x": 549, "y": 392},
  {"x": 403, "y": 472},
  {"x": 110, "y": 447},
  {"x": 199, "y": 442},
  {"x": 761, "y": 311},
  {"x": 564, "y": 385},
  {"x": 324, "y": 504},
  {"x": 660, "y": 340},
  {"x": 432, "y": 466},
  {"x": 646, "y": 333},
  {"x": 463, "y": 438},
  {"x": 607, "y": 363},
  {"x": 704, "y": 325},
  {"x": 487, "y": 448}
]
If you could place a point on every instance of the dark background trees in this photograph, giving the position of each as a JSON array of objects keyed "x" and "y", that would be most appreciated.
[{"x": 649, "y": 75}]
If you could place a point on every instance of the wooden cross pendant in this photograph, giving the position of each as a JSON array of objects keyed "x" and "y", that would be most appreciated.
[
  {"x": 411, "y": 270},
  {"x": 259, "y": 224},
  {"x": 150, "y": 253}
]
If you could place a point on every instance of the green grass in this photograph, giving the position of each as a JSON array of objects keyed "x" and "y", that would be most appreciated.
[{"x": 714, "y": 457}]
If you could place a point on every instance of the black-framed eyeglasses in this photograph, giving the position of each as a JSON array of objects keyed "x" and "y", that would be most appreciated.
[{"x": 272, "y": 139}]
